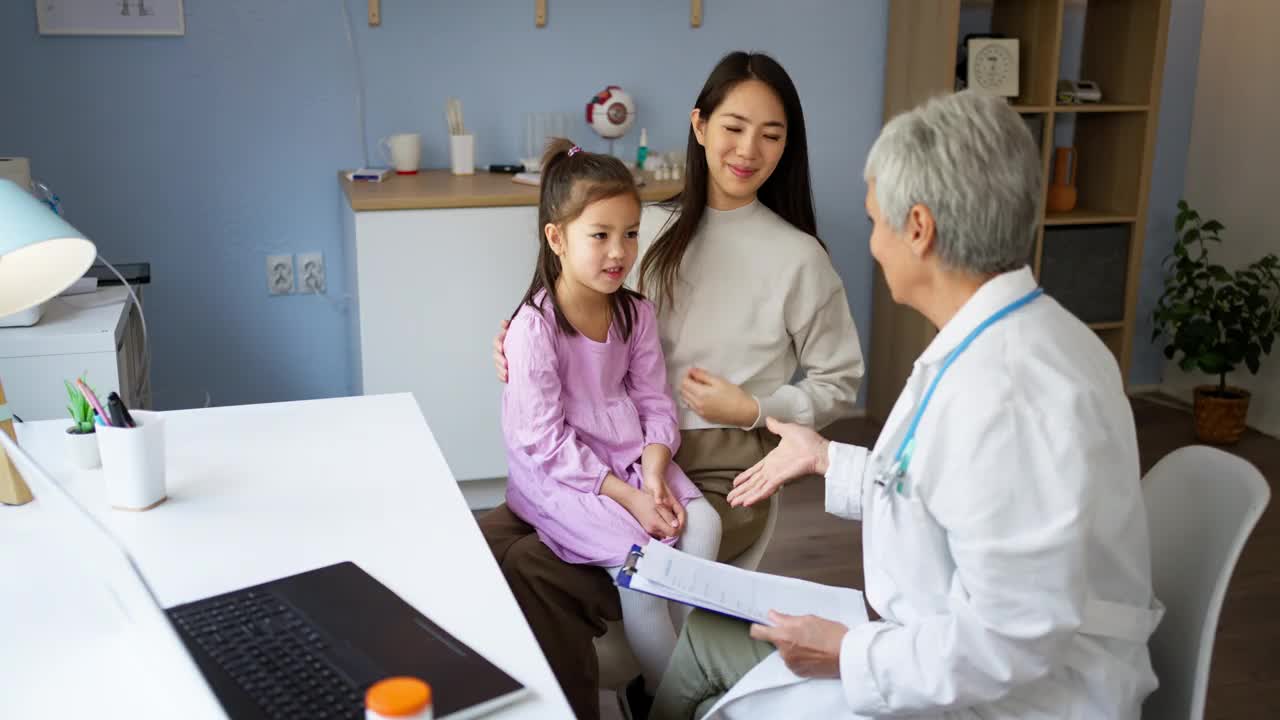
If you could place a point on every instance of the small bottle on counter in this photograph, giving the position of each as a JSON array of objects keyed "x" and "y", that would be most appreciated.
[
  {"x": 642, "y": 153},
  {"x": 398, "y": 698}
]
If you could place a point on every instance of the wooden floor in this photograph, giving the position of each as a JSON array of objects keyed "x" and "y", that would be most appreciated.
[{"x": 1245, "y": 679}]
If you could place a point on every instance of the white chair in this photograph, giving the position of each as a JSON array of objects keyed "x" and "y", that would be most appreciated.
[
  {"x": 618, "y": 665},
  {"x": 1202, "y": 504}
]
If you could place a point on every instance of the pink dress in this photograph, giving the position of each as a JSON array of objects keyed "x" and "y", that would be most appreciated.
[{"x": 573, "y": 410}]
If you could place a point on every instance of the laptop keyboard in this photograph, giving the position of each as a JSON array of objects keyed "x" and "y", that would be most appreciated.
[{"x": 273, "y": 654}]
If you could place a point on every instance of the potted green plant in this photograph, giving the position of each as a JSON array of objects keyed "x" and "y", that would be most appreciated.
[
  {"x": 82, "y": 441},
  {"x": 1217, "y": 321}
]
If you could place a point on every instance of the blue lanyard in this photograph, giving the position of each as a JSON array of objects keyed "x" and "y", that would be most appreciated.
[{"x": 902, "y": 458}]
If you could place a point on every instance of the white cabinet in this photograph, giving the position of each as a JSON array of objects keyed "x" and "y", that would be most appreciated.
[
  {"x": 430, "y": 289},
  {"x": 97, "y": 334}
]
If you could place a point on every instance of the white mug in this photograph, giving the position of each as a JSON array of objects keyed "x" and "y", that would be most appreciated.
[{"x": 403, "y": 151}]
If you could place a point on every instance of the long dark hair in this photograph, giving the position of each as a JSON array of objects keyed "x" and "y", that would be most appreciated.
[
  {"x": 569, "y": 184},
  {"x": 786, "y": 191}
]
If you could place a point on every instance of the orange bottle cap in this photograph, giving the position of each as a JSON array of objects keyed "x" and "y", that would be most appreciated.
[{"x": 398, "y": 696}]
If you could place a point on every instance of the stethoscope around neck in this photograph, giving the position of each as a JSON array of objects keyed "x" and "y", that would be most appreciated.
[{"x": 893, "y": 477}]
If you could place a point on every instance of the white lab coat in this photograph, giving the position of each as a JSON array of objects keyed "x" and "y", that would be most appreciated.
[{"x": 1012, "y": 574}]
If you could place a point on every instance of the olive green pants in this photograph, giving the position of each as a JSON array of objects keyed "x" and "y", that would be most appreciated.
[{"x": 713, "y": 653}]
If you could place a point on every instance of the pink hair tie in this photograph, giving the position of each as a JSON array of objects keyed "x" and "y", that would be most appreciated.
[{"x": 574, "y": 150}]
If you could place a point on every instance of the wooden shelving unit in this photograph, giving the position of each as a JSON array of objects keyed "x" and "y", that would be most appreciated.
[
  {"x": 1097, "y": 108},
  {"x": 1088, "y": 258},
  {"x": 1086, "y": 217}
]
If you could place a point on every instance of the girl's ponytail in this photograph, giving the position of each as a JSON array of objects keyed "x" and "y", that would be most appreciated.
[{"x": 554, "y": 156}]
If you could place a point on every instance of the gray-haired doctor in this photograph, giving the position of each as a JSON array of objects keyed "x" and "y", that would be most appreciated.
[{"x": 1004, "y": 536}]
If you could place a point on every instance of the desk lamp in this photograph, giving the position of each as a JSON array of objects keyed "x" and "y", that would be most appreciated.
[{"x": 40, "y": 256}]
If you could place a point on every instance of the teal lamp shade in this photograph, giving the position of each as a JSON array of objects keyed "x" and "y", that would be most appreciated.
[{"x": 40, "y": 253}]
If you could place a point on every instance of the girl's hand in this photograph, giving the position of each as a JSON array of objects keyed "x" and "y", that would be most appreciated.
[
  {"x": 654, "y": 463},
  {"x": 657, "y": 520},
  {"x": 667, "y": 504},
  {"x": 500, "y": 358},
  {"x": 718, "y": 400}
]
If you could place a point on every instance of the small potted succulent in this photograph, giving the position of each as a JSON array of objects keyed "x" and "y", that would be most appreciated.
[
  {"x": 82, "y": 441},
  {"x": 1218, "y": 321}
]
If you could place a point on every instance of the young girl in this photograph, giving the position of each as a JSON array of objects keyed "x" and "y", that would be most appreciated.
[
  {"x": 590, "y": 428},
  {"x": 755, "y": 324}
]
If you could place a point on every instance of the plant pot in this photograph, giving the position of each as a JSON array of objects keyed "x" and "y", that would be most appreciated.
[
  {"x": 82, "y": 449},
  {"x": 1220, "y": 420}
]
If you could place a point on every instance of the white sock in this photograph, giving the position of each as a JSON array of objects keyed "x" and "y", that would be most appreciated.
[
  {"x": 701, "y": 537},
  {"x": 651, "y": 623}
]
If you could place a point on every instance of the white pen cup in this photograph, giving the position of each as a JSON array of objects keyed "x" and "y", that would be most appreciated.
[
  {"x": 133, "y": 462},
  {"x": 462, "y": 154},
  {"x": 403, "y": 152}
]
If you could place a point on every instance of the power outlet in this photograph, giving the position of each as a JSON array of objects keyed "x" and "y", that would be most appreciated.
[
  {"x": 280, "y": 274},
  {"x": 311, "y": 272}
]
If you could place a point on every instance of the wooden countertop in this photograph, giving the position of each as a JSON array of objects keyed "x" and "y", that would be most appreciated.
[{"x": 433, "y": 189}]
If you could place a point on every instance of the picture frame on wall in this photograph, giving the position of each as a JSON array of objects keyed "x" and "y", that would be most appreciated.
[{"x": 110, "y": 17}]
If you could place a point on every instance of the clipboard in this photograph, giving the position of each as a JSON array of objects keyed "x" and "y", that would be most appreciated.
[
  {"x": 629, "y": 570},
  {"x": 732, "y": 591}
]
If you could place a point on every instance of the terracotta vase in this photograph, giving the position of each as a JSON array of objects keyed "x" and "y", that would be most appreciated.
[{"x": 1062, "y": 192}]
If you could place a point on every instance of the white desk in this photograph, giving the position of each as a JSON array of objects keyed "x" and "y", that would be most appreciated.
[{"x": 263, "y": 491}]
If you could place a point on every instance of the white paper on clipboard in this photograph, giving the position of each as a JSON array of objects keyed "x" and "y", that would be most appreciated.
[{"x": 658, "y": 569}]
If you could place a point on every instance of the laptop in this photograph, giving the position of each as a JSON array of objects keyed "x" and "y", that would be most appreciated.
[{"x": 304, "y": 646}]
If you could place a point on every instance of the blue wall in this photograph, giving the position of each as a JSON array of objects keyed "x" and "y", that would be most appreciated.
[
  {"x": 1173, "y": 138},
  {"x": 205, "y": 153}
]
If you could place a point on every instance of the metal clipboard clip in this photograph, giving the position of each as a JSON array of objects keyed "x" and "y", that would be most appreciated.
[{"x": 633, "y": 557}]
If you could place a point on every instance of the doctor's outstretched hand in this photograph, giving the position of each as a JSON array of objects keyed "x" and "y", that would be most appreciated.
[
  {"x": 802, "y": 451},
  {"x": 810, "y": 645}
]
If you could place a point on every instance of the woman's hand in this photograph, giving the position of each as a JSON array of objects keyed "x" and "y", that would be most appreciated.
[
  {"x": 810, "y": 646},
  {"x": 801, "y": 452},
  {"x": 718, "y": 400},
  {"x": 499, "y": 357}
]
